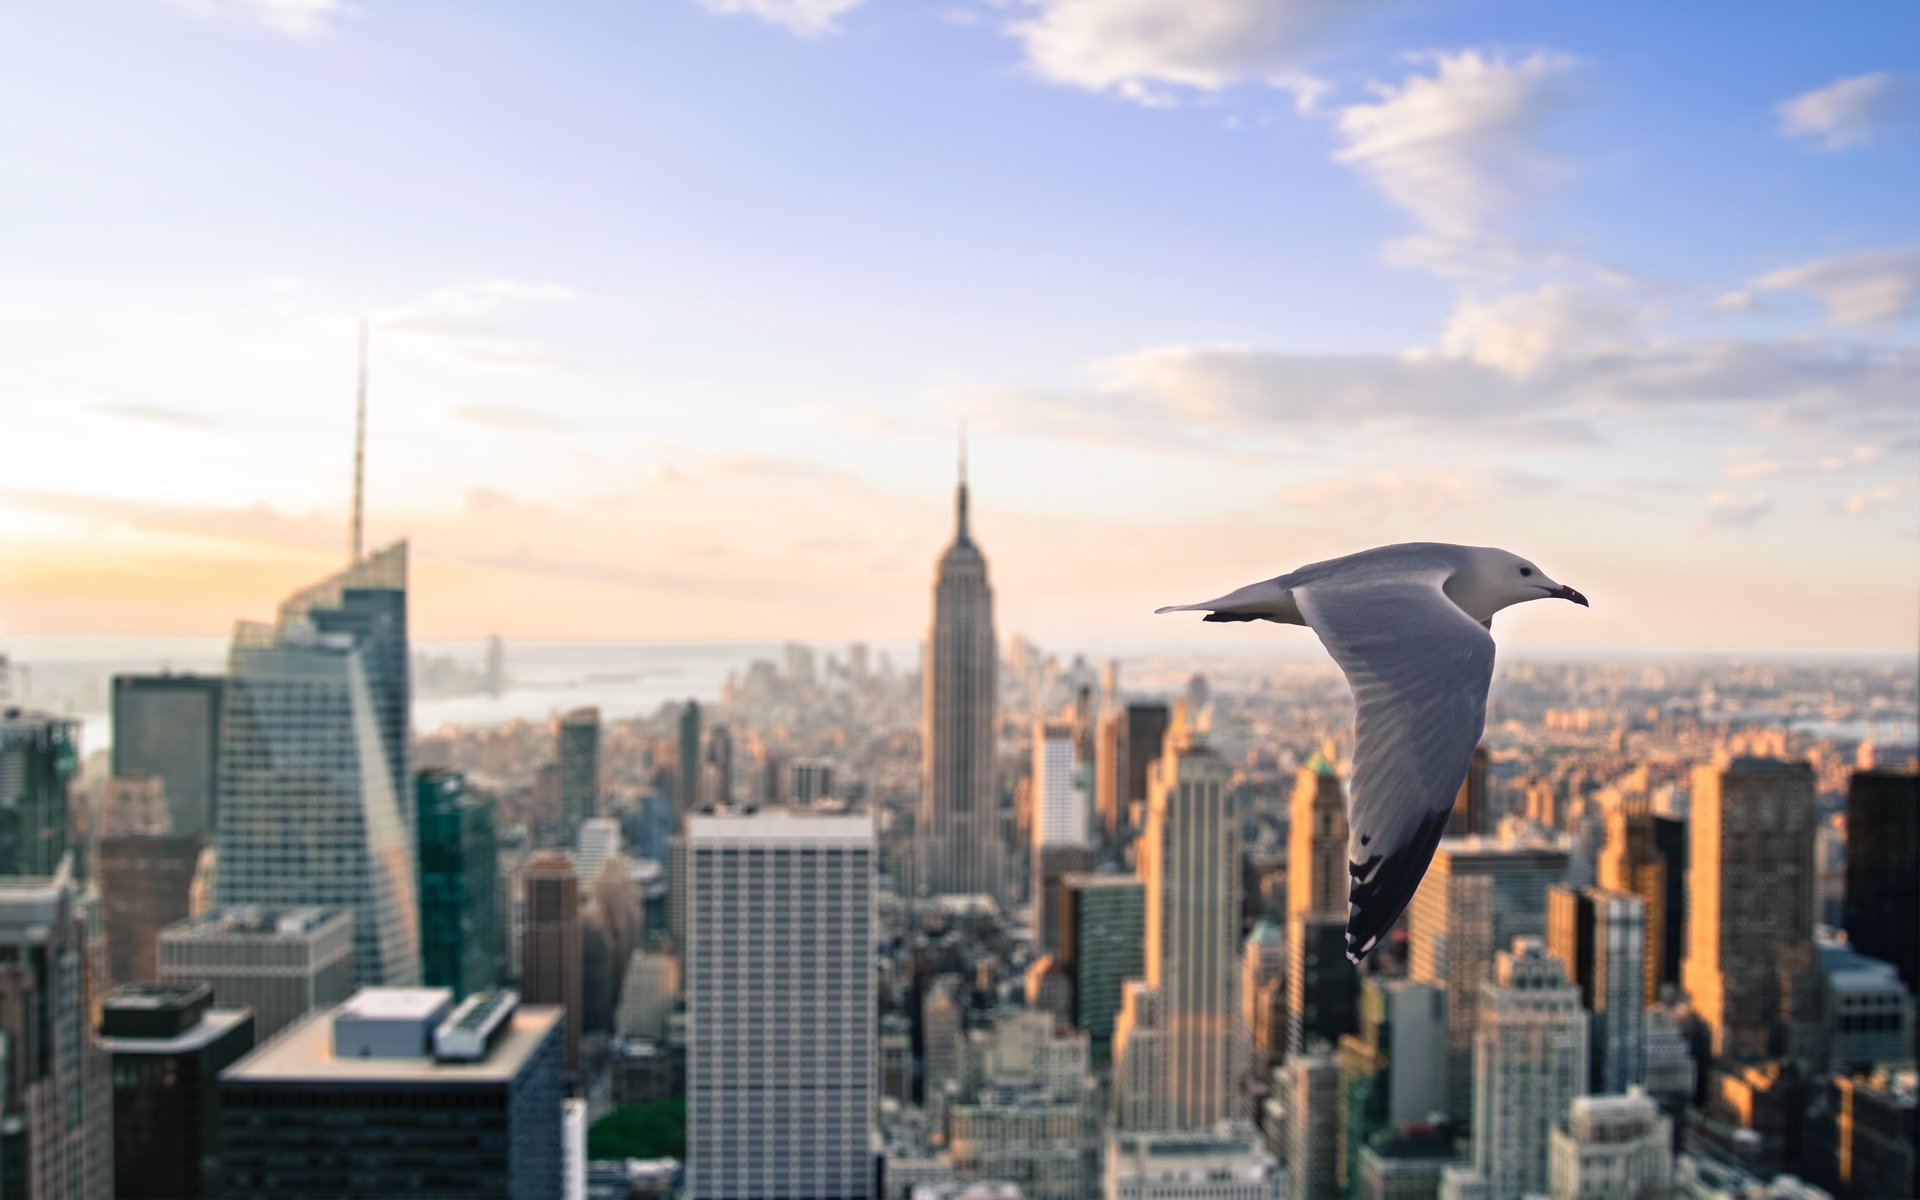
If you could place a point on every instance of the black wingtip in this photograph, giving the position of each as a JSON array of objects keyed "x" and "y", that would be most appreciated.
[{"x": 1228, "y": 616}]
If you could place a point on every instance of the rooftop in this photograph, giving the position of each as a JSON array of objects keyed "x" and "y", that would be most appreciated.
[
  {"x": 781, "y": 826},
  {"x": 304, "y": 1054},
  {"x": 251, "y": 919},
  {"x": 394, "y": 1004},
  {"x": 214, "y": 1024}
]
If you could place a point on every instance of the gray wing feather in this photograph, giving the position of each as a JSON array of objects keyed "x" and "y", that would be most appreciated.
[{"x": 1419, "y": 669}]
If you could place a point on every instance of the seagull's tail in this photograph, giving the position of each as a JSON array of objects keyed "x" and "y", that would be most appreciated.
[{"x": 1263, "y": 601}]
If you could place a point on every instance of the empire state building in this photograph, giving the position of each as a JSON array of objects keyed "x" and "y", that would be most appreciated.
[{"x": 959, "y": 818}]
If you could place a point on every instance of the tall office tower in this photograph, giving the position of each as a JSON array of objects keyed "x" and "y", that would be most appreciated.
[
  {"x": 1470, "y": 815},
  {"x": 1645, "y": 854},
  {"x": 597, "y": 842},
  {"x": 1883, "y": 889},
  {"x": 459, "y": 874},
  {"x": 1307, "y": 1087},
  {"x": 780, "y": 1054},
  {"x": 282, "y": 964},
  {"x": 145, "y": 883},
  {"x": 1103, "y": 931},
  {"x": 39, "y": 755},
  {"x": 719, "y": 772},
  {"x": 1863, "y": 1141},
  {"x": 1323, "y": 985},
  {"x": 647, "y": 995},
  {"x": 1146, "y": 737},
  {"x": 688, "y": 756},
  {"x": 1263, "y": 967},
  {"x": 56, "y": 1110},
  {"x": 1750, "y": 892},
  {"x": 168, "y": 727},
  {"x": 1109, "y": 684},
  {"x": 1110, "y": 776},
  {"x": 1142, "y": 1061},
  {"x": 399, "y": 1093},
  {"x": 1600, "y": 939},
  {"x": 1612, "y": 1145},
  {"x": 1478, "y": 896},
  {"x": 1530, "y": 1061},
  {"x": 168, "y": 1046},
  {"x": 1317, "y": 841},
  {"x": 1191, "y": 864},
  {"x": 896, "y": 1059},
  {"x": 308, "y": 816},
  {"x": 1059, "y": 828},
  {"x": 1226, "y": 1162},
  {"x": 959, "y": 817},
  {"x": 367, "y": 604},
  {"x": 943, "y": 1032},
  {"x": 579, "y": 766},
  {"x": 1393, "y": 1073},
  {"x": 551, "y": 953},
  {"x": 677, "y": 868}
]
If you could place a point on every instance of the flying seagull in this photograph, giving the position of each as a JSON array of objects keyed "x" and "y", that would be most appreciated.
[{"x": 1411, "y": 627}]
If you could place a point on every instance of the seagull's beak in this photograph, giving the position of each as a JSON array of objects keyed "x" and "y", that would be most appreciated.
[{"x": 1563, "y": 592}]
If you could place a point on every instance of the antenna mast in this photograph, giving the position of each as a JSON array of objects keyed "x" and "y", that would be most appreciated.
[{"x": 360, "y": 451}]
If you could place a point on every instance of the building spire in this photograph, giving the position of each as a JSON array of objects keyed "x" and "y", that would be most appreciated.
[
  {"x": 360, "y": 453},
  {"x": 960, "y": 493}
]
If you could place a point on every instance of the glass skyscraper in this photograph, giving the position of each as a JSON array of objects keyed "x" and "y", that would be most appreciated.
[
  {"x": 454, "y": 833},
  {"x": 37, "y": 759},
  {"x": 169, "y": 726}
]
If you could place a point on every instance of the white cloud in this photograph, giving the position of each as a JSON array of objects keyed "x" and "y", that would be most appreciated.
[
  {"x": 807, "y": 18},
  {"x": 1141, "y": 48},
  {"x": 1727, "y": 510},
  {"x": 1455, "y": 148},
  {"x": 1522, "y": 333},
  {"x": 1864, "y": 288},
  {"x": 1427, "y": 491},
  {"x": 295, "y": 18},
  {"x": 454, "y": 317},
  {"x": 1872, "y": 498},
  {"x": 1849, "y": 112}
]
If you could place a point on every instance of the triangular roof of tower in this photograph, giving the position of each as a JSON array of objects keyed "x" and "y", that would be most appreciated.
[{"x": 384, "y": 568}]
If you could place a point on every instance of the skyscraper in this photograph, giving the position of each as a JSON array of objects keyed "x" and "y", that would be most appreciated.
[
  {"x": 781, "y": 1021},
  {"x": 144, "y": 886},
  {"x": 1308, "y": 1086},
  {"x": 1110, "y": 775},
  {"x": 1750, "y": 883},
  {"x": 1883, "y": 888},
  {"x": 1059, "y": 827},
  {"x": 1323, "y": 985},
  {"x": 551, "y": 954},
  {"x": 1615, "y": 1145},
  {"x": 459, "y": 867},
  {"x": 1142, "y": 1061},
  {"x": 1646, "y": 854},
  {"x": 1102, "y": 945},
  {"x": 1469, "y": 815},
  {"x": 1530, "y": 1061},
  {"x": 282, "y": 964},
  {"x": 1393, "y": 1072},
  {"x": 168, "y": 726},
  {"x": 38, "y": 758},
  {"x": 1146, "y": 736},
  {"x": 1317, "y": 841},
  {"x": 579, "y": 766},
  {"x": 1478, "y": 896},
  {"x": 1190, "y": 861},
  {"x": 959, "y": 816},
  {"x": 56, "y": 1112},
  {"x": 308, "y": 813},
  {"x": 1600, "y": 939},
  {"x": 688, "y": 754}
]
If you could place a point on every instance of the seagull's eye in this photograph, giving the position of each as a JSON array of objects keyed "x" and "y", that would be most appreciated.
[{"x": 1526, "y": 570}]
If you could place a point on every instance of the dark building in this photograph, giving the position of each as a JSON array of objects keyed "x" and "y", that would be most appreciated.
[
  {"x": 687, "y": 788},
  {"x": 398, "y": 1093},
  {"x": 37, "y": 759},
  {"x": 1323, "y": 985},
  {"x": 1103, "y": 932},
  {"x": 552, "y": 958},
  {"x": 1469, "y": 815},
  {"x": 1862, "y": 1137},
  {"x": 1146, "y": 737},
  {"x": 169, "y": 726},
  {"x": 459, "y": 867},
  {"x": 144, "y": 886},
  {"x": 579, "y": 767},
  {"x": 1883, "y": 885},
  {"x": 168, "y": 1046},
  {"x": 643, "y": 1071}
]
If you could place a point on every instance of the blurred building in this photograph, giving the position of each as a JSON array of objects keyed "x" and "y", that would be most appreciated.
[
  {"x": 1146, "y": 736},
  {"x": 1612, "y": 1145},
  {"x": 687, "y": 784},
  {"x": 1393, "y": 1072},
  {"x": 1060, "y": 823},
  {"x": 1645, "y": 854},
  {"x": 1863, "y": 1136},
  {"x": 1866, "y": 1010},
  {"x": 1306, "y": 1088},
  {"x": 459, "y": 874},
  {"x": 1600, "y": 939},
  {"x": 1882, "y": 909},
  {"x": 1323, "y": 985},
  {"x": 281, "y": 963},
  {"x": 579, "y": 757},
  {"x": 1225, "y": 1162},
  {"x": 1471, "y": 814},
  {"x": 146, "y": 882},
  {"x": 168, "y": 727},
  {"x": 39, "y": 756},
  {"x": 551, "y": 955},
  {"x": 1530, "y": 1062},
  {"x": 1317, "y": 876},
  {"x": 1102, "y": 945},
  {"x": 648, "y": 994},
  {"x": 1142, "y": 1061}
]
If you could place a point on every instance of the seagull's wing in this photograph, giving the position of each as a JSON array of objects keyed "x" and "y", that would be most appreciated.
[{"x": 1419, "y": 668}]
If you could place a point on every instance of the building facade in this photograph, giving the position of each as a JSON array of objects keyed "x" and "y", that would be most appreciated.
[
  {"x": 551, "y": 954},
  {"x": 1600, "y": 939},
  {"x": 1530, "y": 1062},
  {"x": 281, "y": 963},
  {"x": 1102, "y": 945},
  {"x": 1882, "y": 907},
  {"x": 579, "y": 766},
  {"x": 145, "y": 886},
  {"x": 459, "y": 876},
  {"x": 1612, "y": 1145},
  {"x": 1317, "y": 841},
  {"x": 39, "y": 756},
  {"x": 168, "y": 727}
]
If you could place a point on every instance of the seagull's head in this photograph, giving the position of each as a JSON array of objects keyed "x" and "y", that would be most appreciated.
[{"x": 1499, "y": 579}]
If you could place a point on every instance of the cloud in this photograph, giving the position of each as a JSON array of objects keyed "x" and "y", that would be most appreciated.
[
  {"x": 503, "y": 417},
  {"x": 1727, "y": 510},
  {"x": 1872, "y": 498},
  {"x": 454, "y": 317},
  {"x": 1522, "y": 333},
  {"x": 1850, "y": 112},
  {"x": 808, "y": 18},
  {"x": 154, "y": 414},
  {"x": 1457, "y": 147},
  {"x": 295, "y": 18},
  {"x": 1141, "y": 48},
  {"x": 1864, "y": 288},
  {"x": 1754, "y": 462},
  {"x": 1427, "y": 491}
]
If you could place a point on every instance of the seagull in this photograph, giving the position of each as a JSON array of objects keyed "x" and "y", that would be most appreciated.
[{"x": 1411, "y": 627}]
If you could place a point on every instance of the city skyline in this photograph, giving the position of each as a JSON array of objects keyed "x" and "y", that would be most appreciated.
[{"x": 1328, "y": 280}]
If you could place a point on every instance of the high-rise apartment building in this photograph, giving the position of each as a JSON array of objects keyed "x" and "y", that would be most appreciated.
[
  {"x": 39, "y": 755},
  {"x": 781, "y": 1021},
  {"x": 145, "y": 882},
  {"x": 1317, "y": 841},
  {"x": 1883, "y": 888},
  {"x": 168, "y": 1046},
  {"x": 398, "y": 1092},
  {"x": 1190, "y": 860},
  {"x": 579, "y": 766},
  {"x": 551, "y": 953},
  {"x": 1530, "y": 1062},
  {"x": 1645, "y": 853},
  {"x": 309, "y": 810},
  {"x": 1612, "y": 1145},
  {"x": 1477, "y": 897},
  {"x": 1060, "y": 828},
  {"x": 687, "y": 784},
  {"x": 168, "y": 727},
  {"x": 1103, "y": 933},
  {"x": 56, "y": 1111},
  {"x": 1750, "y": 894},
  {"x": 1600, "y": 939},
  {"x": 959, "y": 815},
  {"x": 281, "y": 963},
  {"x": 459, "y": 874}
]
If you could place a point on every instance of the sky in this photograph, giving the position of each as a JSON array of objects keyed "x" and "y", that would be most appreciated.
[{"x": 675, "y": 308}]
